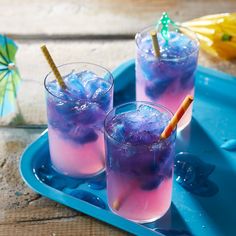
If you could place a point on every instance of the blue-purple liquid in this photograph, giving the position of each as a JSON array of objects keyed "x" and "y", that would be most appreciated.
[{"x": 79, "y": 111}]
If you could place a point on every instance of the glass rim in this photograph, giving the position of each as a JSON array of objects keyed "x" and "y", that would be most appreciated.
[
  {"x": 155, "y": 105},
  {"x": 84, "y": 99},
  {"x": 166, "y": 59}
]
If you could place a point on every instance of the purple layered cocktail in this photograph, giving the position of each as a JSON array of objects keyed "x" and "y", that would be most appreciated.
[
  {"x": 139, "y": 163},
  {"x": 166, "y": 79},
  {"x": 75, "y": 118}
]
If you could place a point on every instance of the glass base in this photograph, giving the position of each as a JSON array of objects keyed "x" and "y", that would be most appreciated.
[{"x": 140, "y": 221}]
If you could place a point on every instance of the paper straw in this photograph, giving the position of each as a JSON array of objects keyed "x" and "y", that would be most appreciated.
[
  {"x": 155, "y": 43},
  {"x": 53, "y": 66},
  {"x": 117, "y": 203},
  {"x": 177, "y": 116}
]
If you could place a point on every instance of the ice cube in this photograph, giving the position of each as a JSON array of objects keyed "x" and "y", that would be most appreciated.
[
  {"x": 75, "y": 87},
  {"x": 102, "y": 88},
  {"x": 152, "y": 119},
  {"x": 91, "y": 87},
  {"x": 89, "y": 113},
  {"x": 85, "y": 76},
  {"x": 141, "y": 126},
  {"x": 179, "y": 45},
  {"x": 83, "y": 134},
  {"x": 105, "y": 101},
  {"x": 56, "y": 91},
  {"x": 118, "y": 132},
  {"x": 147, "y": 111},
  {"x": 89, "y": 81},
  {"x": 64, "y": 107}
]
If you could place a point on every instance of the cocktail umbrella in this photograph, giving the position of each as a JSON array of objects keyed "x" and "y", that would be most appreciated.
[
  {"x": 216, "y": 33},
  {"x": 9, "y": 76}
]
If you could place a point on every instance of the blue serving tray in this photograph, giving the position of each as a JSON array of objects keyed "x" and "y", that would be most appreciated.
[{"x": 210, "y": 136}]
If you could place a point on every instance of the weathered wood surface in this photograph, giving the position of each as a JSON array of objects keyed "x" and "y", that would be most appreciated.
[
  {"x": 99, "y": 31},
  {"x": 74, "y": 18},
  {"x": 23, "y": 212}
]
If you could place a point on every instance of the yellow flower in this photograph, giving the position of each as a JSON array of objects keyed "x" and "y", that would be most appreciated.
[{"x": 216, "y": 33}]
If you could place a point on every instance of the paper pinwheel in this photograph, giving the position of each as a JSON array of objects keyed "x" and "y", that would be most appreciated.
[
  {"x": 9, "y": 76},
  {"x": 216, "y": 33}
]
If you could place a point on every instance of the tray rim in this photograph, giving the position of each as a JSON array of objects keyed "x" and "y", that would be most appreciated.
[{"x": 77, "y": 204}]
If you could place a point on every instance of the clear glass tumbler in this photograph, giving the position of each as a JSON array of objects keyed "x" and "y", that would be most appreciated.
[
  {"x": 167, "y": 79},
  {"x": 76, "y": 116},
  {"x": 139, "y": 165}
]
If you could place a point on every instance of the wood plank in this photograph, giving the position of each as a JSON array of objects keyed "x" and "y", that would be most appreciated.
[
  {"x": 29, "y": 18},
  {"x": 23, "y": 212},
  {"x": 12, "y": 144},
  {"x": 110, "y": 54},
  {"x": 75, "y": 227}
]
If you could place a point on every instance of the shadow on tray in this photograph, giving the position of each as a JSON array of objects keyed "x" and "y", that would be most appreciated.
[
  {"x": 171, "y": 224},
  {"x": 215, "y": 191}
]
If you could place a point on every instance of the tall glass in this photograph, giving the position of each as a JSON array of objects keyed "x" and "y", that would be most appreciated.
[
  {"x": 75, "y": 125},
  {"x": 167, "y": 79},
  {"x": 139, "y": 175}
]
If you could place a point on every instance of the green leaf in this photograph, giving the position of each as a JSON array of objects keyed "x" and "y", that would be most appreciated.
[{"x": 226, "y": 37}]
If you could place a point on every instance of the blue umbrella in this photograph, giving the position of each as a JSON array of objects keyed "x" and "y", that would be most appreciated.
[{"x": 9, "y": 76}]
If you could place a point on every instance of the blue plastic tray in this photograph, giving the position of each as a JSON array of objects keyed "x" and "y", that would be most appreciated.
[{"x": 210, "y": 136}]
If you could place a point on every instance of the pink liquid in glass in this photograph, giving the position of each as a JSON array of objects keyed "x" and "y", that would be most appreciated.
[
  {"x": 72, "y": 159},
  {"x": 138, "y": 205}
]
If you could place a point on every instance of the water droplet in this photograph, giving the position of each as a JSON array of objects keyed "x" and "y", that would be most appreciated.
[
  {"x": 57, "y": 182},
  {"x": 192, "y": 174},
  {"x": 229, "y": 145},
  {"x": 89, "y": 198}
]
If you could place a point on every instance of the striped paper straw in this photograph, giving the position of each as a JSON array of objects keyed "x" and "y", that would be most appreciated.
[
  {"x": 53, "y": 66},
  {"x": 177, "y": 116},
  {"x": 155, "y": 43},
  {"x": 116, "y": 204}
]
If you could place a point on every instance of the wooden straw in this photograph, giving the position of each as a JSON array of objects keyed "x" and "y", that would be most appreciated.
[
  {"x": 122, "y": 197},
  {"x": 155, "y": 43},
  {"x": 116, "y": 204},
  {"x": 119, "y": 201},
  {"x": 177, "y": 116},
  {"x": 53, "y": 66}
]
